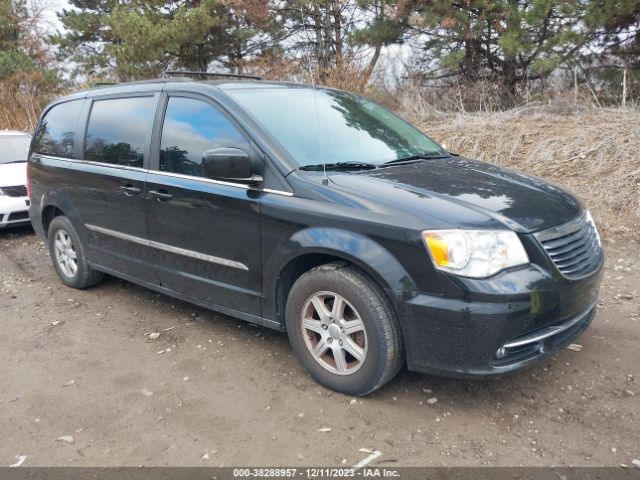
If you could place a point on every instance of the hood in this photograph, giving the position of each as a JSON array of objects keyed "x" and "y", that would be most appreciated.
[
  {"x": 524, "y": 204},
  {"x": 12, "y": 174}
]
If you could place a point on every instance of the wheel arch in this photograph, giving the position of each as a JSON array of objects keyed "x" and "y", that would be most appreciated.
[
  {"x": 312, "y": 247},
  {"x": 49, "y": 212}
]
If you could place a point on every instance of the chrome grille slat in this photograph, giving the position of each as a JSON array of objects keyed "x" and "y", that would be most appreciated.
[
  {"x": 567, "y": 249},
  {"x": 561, "y": 242},
  {"x": 573, "y": 247},
  {"x": 579, "y": 250},
  {"x": 578, "y": 266},
  {"x": 573, "y": 261}
]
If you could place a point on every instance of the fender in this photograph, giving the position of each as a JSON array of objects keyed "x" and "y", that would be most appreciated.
[{"x": 355, "y": 248}]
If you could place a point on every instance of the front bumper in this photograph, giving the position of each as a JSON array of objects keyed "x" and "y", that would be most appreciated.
[
  {"x": 14, "y": 211},
  {"x": 501, "y": 324}
]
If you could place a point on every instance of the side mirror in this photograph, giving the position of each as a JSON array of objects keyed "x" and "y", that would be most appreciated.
[{"x": 230, "y": 164}]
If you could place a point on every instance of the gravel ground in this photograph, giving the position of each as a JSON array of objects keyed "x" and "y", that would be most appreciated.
[{"x": 82, "y": 383}]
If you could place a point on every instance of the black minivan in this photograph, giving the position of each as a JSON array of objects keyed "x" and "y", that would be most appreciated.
[{"x": 319, "y": 213}]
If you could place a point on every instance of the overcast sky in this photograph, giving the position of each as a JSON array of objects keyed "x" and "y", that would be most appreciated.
[{"x": 50, "y": 19}]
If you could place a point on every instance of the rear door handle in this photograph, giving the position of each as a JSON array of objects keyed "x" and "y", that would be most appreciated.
[
  {"x": 161, "y": 195},
  {"x": 129, "y": 190}
]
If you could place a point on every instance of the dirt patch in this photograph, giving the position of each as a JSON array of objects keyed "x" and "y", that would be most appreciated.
[{"x": 214, "y": 391}]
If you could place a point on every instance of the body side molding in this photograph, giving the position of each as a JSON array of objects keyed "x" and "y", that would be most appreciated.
[{"x": 168, "y": 248}]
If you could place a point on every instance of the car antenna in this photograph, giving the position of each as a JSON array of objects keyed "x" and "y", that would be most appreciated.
[{"x": 325, "y": 179}]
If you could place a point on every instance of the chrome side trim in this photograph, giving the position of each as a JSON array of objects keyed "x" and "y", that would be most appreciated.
[
  {"x": 549, "y": 331},
  {"x": 218, "y": 182},
  {"x": 198, "y": 179},
  {"x": 277, "y": 192},
  {"x": 96, "y": 164},
  {"x": 116, "y": 234},
  {"x": 167, "y": 174},
  {"x": 168, "y": 248},
  {"x": 198, "y": 255}
]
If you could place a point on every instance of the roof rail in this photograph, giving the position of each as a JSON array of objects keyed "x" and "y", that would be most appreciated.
[{"x": 171, "y": 73}]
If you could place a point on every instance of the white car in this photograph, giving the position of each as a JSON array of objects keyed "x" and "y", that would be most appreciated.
[{"x": 14, "y": 201}]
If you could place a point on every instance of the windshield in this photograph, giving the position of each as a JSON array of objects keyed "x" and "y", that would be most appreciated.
[
  {"x": 14, "y": 148},
  {"x": 353, "y": 129}
]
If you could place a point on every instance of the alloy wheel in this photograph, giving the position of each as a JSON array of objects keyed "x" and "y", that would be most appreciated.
[
  {"x": 65, "y": 253},
  {"x": 334, "y": 333}
]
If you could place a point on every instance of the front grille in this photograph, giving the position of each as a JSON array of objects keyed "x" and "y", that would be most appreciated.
[
  {"x": 573, "y": 247},
  {"x": 15, "y": 191}
]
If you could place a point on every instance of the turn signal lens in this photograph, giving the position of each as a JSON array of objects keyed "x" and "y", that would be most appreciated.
[
  {"x": 474, "y": 253},
  {"x": 438, "y": 250}
]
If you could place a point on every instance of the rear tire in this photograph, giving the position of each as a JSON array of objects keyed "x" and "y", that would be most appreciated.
[
  {"x": 68, "y": 255},
  {"x": 343, "y": 330}
]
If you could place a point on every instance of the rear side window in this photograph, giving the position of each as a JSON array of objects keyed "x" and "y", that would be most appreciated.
[
  {"x": 191, "y": 127},
  {"x": 118, "y": 129},
  {"x": 56, "y": 134}
]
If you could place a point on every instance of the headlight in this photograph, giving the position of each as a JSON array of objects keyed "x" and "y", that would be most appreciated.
[{"x": 474, "y": 253}]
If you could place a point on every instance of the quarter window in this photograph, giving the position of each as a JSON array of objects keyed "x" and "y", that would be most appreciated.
[
  {"x": 191, "y": 127},
  {"x": 118, "y": 130},
  {"x": 56, "y": 133}
]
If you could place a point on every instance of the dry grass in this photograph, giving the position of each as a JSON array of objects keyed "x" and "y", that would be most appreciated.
[
  {"x": 20, "y": 101},
  {"x": 593, "y": 152}
]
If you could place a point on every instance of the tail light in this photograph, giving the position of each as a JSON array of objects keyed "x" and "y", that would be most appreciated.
[{"x": 28, "y": 183}]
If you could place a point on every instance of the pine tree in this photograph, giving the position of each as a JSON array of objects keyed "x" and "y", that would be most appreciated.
[
  {"x": 27, "y": 81},
  {"x": 20, "y": 50},
  {"x": 142, "y": 38},
  {"x": 505, "y": 41},
  {"x": 87, "y": 35}
]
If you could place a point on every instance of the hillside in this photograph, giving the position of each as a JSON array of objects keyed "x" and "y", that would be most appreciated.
[{"x": 593, "y": 152}]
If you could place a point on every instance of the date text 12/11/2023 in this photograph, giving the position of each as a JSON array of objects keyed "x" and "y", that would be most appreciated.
[{"x": 310, "y": 473}]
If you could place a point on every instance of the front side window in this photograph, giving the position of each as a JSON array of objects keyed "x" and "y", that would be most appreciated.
[
  {"x": 191, "y": 127},
  {"x": 56, "y": 133},
  {"x": 343, "y": 126},
  {"x": 118, "y": 130}
]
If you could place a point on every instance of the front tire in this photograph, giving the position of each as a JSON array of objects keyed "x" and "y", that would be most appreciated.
[
  {"x": 68, "y": 255},
  {"x": 343, "y": 330}
]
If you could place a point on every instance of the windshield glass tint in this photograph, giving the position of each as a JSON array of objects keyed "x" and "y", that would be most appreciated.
[
  {"x": 352, "y": 129},
  {"x": 14, "y": 148}
]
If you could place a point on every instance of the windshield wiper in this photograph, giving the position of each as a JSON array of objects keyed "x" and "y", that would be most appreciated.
[
  {"x": 339, "y": 166},
  {"x": 414, "y": 158},
  {"x": 370, "y": 166}
]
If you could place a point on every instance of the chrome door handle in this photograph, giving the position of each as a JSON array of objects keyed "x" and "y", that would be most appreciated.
[
  {"x": 161, "y": 195},
  {"x": 130, "y": 190}
]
